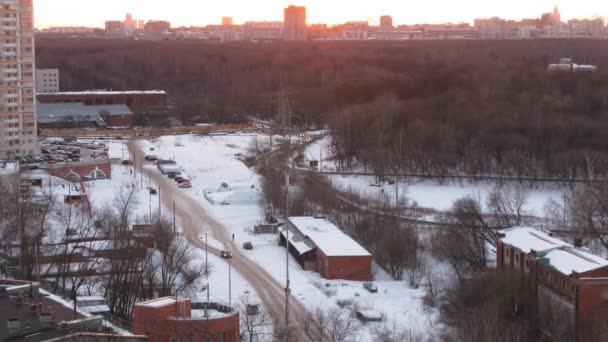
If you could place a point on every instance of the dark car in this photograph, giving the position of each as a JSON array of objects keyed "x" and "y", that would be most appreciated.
[
  {"x": 248, "y": 246},
  {"x": 152, "y": 191},
  {"x": 226, "y": 254}
]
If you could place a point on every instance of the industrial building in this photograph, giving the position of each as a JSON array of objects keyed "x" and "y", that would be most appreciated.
[
  {"x": 78, "y": 115},
  {"x": 318, "y": 245},
  {"x": 569, "y": 283}
]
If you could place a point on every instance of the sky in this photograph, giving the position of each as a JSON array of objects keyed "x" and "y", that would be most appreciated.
[{"x": 94, "y": 13}]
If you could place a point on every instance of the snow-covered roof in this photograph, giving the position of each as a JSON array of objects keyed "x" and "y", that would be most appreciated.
[
  {"x": 301, "y": 243},
  {"x": 569, "y": 259},
  {"x": 529, "y": 239},
  {"x": 159, "y": 302},
  {"x": 327, "y": 237},
  {"x": 95, "y": 308},
  {"x": 107, "y": 92},
  {"x": 8, "y": 166}
]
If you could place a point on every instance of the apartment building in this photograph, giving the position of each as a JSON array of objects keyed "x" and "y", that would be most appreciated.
[
  {"x": 47, "y": 80},
  {"x": 295, "y": 24},
  {"x": 17, "y": 95}
]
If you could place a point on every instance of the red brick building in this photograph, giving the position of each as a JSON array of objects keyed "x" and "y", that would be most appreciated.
[
  {"x": 318, "y": 245},
  {"x": 178, "y": 319},
  {"x": 570, "y": 284},
  {"x": 77, "y": 171}
]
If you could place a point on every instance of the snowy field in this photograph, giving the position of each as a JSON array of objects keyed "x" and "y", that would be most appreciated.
[
  {"x": 211, "y": 161},
  {"x": 426, "y": 193},
  {"x": 430, "y": 194}
]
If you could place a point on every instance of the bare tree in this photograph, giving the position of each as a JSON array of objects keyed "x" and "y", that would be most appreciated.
[
  {"x": 332, "y": 325},
  {"x": 255, "y": 320},
  {"x": 589, "y": 212}
]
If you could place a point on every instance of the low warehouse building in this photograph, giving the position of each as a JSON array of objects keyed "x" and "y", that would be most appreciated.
[
  {"x": 318, "y": 245},
  {"x": 78, "y": 115}
]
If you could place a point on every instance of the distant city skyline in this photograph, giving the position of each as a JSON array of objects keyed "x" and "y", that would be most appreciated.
[{"x": 199, "y": 13}]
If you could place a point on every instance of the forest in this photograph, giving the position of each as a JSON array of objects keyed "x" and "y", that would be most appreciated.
[{"x": 465, "y": 107}]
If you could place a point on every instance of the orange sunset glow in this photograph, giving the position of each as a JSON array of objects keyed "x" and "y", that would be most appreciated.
[{"x": 197, "y": 12}]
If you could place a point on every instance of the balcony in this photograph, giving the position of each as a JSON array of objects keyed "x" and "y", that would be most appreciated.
[{"x": 8, "y": 35}]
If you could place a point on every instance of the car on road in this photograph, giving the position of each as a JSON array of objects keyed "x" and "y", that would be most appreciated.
[
  {"x": 248, "y": 246},
  {"x": 370, "y": 287},
  {"x": 184, "y": 185},
  {"x": 225, "y": 254}
]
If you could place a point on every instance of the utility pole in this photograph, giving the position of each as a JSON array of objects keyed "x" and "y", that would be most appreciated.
[
  {"x": 159, "y": 206},
  {"x": 320, "y": 159},
  {"x": 174, "y": 227},
  {"x": 207, "y": 277},
  {"x": 230, "y": 281},
  {"x": 287, "y": 289},
  {"x": 397, "y": 194},
  {"x": 150, "y": 205}
]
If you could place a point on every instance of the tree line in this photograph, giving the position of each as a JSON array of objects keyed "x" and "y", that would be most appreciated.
[{"x": 448, "y": 107}]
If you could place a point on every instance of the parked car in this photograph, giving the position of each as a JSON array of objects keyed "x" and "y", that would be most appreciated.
[
  {"x": 183, "y": 180},
  {"x": 184, "y": 185},
  {"x": 248, "y": 246},
  {"x": 226, "y": 254},
  {"x": 370, "y": 287},
  {"x": 224, "y": 203},
  {"x": 152, "y": 191},
  {"x": 151, "y": 158}
]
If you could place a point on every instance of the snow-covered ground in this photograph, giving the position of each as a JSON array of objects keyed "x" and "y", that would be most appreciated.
[
  {"x": 430, "y": 194},
  {"x": 213, "y": 160},
  {"x": 426, "y": 193}
]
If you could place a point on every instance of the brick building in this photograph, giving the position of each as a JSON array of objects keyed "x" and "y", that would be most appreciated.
[
  {"x": 318, "y": 245},
  {"x": 77, "y": 171},
  {"x": 178, "y": 319},
  {"x": 569, "y": 283}
]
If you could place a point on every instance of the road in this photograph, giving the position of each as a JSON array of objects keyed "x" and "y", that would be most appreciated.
[{"x": 195, "y": 220}]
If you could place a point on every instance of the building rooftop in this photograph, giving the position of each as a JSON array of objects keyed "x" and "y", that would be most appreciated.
[
  {"x": 300, "y": 242},
  {"x": 60, "y": 112},
  {"x": 158, "y": 302},
  {"x": 567, "y": 260},
  {"x": 528, "y": 239},
  {"x": 107, "y": 92},
  {"x": 327, "y": 237},
  {"x": 8, "y": 167}
]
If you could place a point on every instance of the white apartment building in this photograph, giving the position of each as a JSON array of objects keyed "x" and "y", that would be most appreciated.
[
  {"x": 47, "y": 81},
  {"x": 17, "y": 96}
]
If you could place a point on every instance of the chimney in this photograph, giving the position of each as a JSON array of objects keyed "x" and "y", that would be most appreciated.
[{"x": 578, "y": 242}]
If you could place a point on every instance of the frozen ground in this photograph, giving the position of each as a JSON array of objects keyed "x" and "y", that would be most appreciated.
[
  {"x": 426, "y": 194},
  {"x": 211, "y": 161},
  {"x": 430, "y": 194}
]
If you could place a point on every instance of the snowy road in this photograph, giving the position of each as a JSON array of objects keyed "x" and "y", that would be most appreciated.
[{"x": 195, "y": 220}]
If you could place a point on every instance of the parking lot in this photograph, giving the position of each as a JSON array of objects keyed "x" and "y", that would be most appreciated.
[{"x": 59, "y": 150}]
